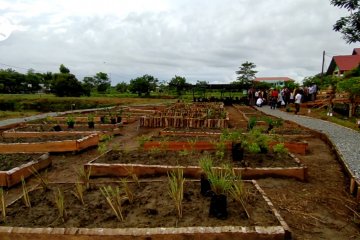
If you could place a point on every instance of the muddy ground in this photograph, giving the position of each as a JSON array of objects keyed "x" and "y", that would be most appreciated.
[{"x": 317, "y": 209}]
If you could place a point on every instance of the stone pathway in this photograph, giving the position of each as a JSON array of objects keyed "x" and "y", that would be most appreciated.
[{"x": 345, "y": 139}]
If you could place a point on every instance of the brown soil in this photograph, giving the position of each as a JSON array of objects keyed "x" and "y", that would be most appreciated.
[
  {"x": 186, "y": 158},
  {"x": 40, "y": 139},
  {"x": 10, "y": 161},
  {"x": 152, "y": 207},
  {"x": 317, "y": 209},
  {"x": 189, "y": 130},
  {"x": 50, "y": 128}
]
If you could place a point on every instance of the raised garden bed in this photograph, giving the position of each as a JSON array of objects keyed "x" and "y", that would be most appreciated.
[
  {"x": 151, "y": 215},
  {"x": 17, "y": 165},
  {"x": 194, "y": 132},
  {"x": 49, "y": 143},
  {"x": 158, "y": 162},
  {"x": 43, "y": 130},
  {"x": 184, "y": 143},
  {"x": 180, "y": 122}
]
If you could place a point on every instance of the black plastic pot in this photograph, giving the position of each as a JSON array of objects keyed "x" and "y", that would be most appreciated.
[
  {"x": 91, "y": 124},
  {"x": 113, "y": 120},
  {"x": 263, "y": 149},
  {"x": 205, "y": 186},
  {"x": 237, "y": 152},
  {"x": 71, "y": 125},
  {"x": 270, "y": 128},
  {"x": 118, "y": 119},
  {"x": 102, "y": 119},
  {"x": 218, "y": 207},
  {"x": 57, "y": 128}
]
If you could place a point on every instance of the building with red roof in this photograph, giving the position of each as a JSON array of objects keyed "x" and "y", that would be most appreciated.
[
  {"x": 343, "y": 63},
  {"x": 277, "y": 81}
]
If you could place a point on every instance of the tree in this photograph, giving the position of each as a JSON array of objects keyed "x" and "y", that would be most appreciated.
[
  {"x": 144, "y": 84},
  {"x": 201, "y": 87},
  {"x": 348, "y": 26},
  {"x": 102, "y": 82},
  {"x": 66, "y": 84},
  {"x": 64, "y": 69},
  {"x": 246, "y": 75},
  {"x": 351, "y": 84},
  {"x": 178, "y": 83},
  {"x": 122, "y": 87}
]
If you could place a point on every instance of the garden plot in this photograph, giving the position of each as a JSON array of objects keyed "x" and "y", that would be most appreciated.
[
  {"x": 148, "y": 213},
  {"x": 204, "y": 115},
  {"x": 14, "y": 166},
  {"x": 194, "y": 132},
  {"x": 48, "y": 130},
  {"x": 48, "y": 143},
  {"x": 158, "y": 162}
]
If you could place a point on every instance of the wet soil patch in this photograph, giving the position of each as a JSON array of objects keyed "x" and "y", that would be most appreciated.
[
  {"x": 10, "y": 161},
  {"x": 152, "y": 207},
  {"x": 41, "y": 139},
  {"x": 188, "y": 158}
]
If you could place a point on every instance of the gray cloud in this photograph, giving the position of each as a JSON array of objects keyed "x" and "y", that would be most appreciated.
[{"x": 201, "y": 40}]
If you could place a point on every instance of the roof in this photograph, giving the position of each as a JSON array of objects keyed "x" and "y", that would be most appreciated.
[
  {"x": 285, "y": 79},
  {"x": 356, "y": 51},
  {"x": 344, "y": 63}
]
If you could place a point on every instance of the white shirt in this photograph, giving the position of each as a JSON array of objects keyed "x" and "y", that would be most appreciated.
[
  {"x": 298, "y": 98},
  {"x": 259, "y": 101}
]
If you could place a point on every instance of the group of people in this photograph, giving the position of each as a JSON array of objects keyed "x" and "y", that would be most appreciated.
[{"x": 281, "y": 98}]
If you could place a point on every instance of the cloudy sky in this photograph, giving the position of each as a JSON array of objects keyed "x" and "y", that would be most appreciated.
[{"x": 198, "y": 39}]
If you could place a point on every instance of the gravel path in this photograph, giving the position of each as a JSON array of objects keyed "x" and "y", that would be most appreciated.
[{"x": 346, "y": 140}]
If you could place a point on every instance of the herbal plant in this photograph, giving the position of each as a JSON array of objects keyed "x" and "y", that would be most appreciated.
[
  {"x": 83, "y": 176},
  {"x": 3, "y": 204},
  {"x": 79, "y": 192},
  {"x": 252, "y": 123},
  {"x": 90, "y": 117},
  {"x": 220, "y": 149},
  {"x": 102, "y": 148},
  {"x": 128, "y": 193},
  {"x": 184, "y": 152},
  {"x": 253, "y": 148},
  {"x": 280, "y": 149},
  {"x": 132, "y": 175},
  {"x": 114, "y": 199},
  {"x": 192, "y": 143},
  {"x": 176, "y": 189},
  {"x": 142, "y": 140},
  {"x": 25, "y": 191},
  {"x": 59, "y": 203},
  {"x": 239, "y": 193},
  {"x": 206, "y": 164},
  {"x": 70, "y": 119},
  {"x": 43, "y": 179},
  {"x": 220, "y": 180}
]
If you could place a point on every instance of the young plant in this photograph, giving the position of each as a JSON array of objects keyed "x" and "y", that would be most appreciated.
[
  {"x": 252, "y": 123},
  {"x": 128, "y": 193},
  {"x": 25, "y": 191},
  {"x": 59, "y": 203},
  {"x": 220, "y": 149},
  {"x": 70, "y": 121},
  {"x": 176, "y": 189},
  {"x": 132, "y": 174},
  {"x": 192, "y": 143},
  {"x": 3, "y": 204},
  {"x": 43, "y": 179},
  {"x": 114, "y": 199},
  {"x": 142, "y": 140},
  {"x": 221, "y": 180},
  {"x": 102, "y": 148},
  {"x": 79, "y": 192},
  {"x": 280, "y": 149},
  {"x": 90, "y": 117},
  {"x": 184, "y": 152},
  {"x": 83, "y": 176},
  {"x": 206, "y": 164},
  {"x": 253, "y": 148},
  {"x": 238, "y": 192}
]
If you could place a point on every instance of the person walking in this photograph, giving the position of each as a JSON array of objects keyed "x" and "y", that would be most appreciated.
[{"x": 298, "y": 98}]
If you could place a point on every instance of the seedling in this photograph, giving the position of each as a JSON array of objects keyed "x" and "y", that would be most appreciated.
[
  {"x": 220, "y": 180},
  {"x": 79, "y": 192},
  {"x": 133, "y": 175},
  {"x": 102, "y": 148},
  {"x": 238, "y": 192},
  {"x": 142, "y": 140},
  {"x": 3, "y": 204},
  {"x": 43, "y": 179},
  {"x": 59, "y": 203},
  {"x": 280, "y": 149},
  {"x": 252, "y": 123},
  {"x": 176, "y": 189},
  {"x": 84, "y": 176},
  {"x": 114, "y": 199},
  {"x": 125, "y": 186},
  {"x": 25, "y": 191},
  {"x": 206, "y": 164}
]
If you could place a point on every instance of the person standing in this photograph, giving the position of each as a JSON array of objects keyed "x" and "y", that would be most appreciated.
[{"x": 298, "y": 97}]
